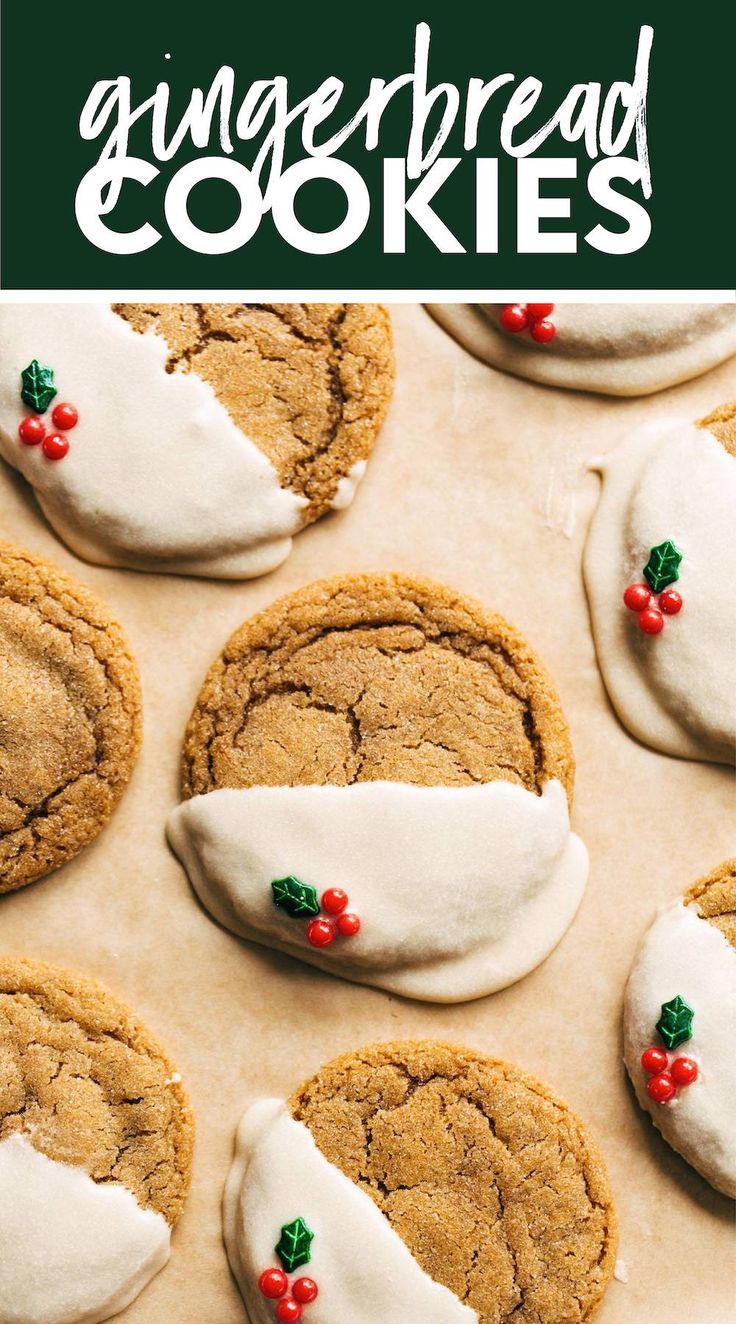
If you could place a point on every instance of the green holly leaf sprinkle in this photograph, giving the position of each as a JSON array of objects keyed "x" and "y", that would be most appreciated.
[
  {"x": 38, "y": 388},
  {"x": 297, "y": 899},
  {"x": 293, "y": 1248},
  {"x": 661, "y": 569},
  {"x": 675, "y": 1025}
]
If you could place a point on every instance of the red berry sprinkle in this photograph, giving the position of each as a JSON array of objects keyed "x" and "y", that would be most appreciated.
[
  {"x": 651, "y": 621},
  {"x": 661, "y": 1087},
  {"x": 542, "y": 331},
  {"x": 637, "y": 597},
  {"x": 273, "y": 1283},
  {"x": 304, "y": 1290},
  {"x": 654, "y": 1060},
  {"x": 684, "y": 1070},
  {"x": 348, "y": 924},
  {"x": 65, "y": 416},
  {"x": 32, "y": 430},
  {"x": 55, "y": 446},
  {"x": 540, "y": 309},
  {"x": 514, "y": 317},
  {"x": 334, "y": 900},
  {"x": 670, "y": 602},
  {"x": 320, "y": 933},
  {"x": 288, "y": 1311}
]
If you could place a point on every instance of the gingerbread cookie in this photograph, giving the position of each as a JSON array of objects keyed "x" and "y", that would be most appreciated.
[
  {"x": 377, "y": 776},
  {"x": 613, "y": 348},
  {"x": 191, "y": 438},
  {"x": 679, "y": 1016},
  {"x": 95, "y": 1149},
  {"x": 418, "y": 1181},
  {"x": 660, "y": 574},
  {"x": 70, "y": 717}
]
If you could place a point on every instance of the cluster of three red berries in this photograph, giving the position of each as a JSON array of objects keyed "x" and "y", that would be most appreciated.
[
  {"x": 274, "y": 1284},
  {"x": 638, "y": 598},
  {"x": 531, "y": 317},
  {"x": 665, "y": 1076},
  {"x": 321, "y": 932},
  {"x": 32, "y": 431}
]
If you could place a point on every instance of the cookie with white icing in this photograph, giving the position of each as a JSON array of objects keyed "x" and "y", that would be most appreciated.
[
  {"x": 660, "y": 575},
  {"x": 679, "y": 1017},
  {"x": 418, "y": 1181},
  {"x": 95, "y": 1149},
  {"x": 70, "y": 716},
  {"x": 377, "y": 778},
  {"x": 191, "y": 438},
  {"x": 612, "y": 348}
]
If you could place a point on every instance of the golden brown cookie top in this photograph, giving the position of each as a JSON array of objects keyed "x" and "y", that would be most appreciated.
[
  {"x": 714, "y": 898},
  {"x": 86, "y": 1084},
  {"x": 722, "y": 423},
  {"x": 70, "y": 716},
  {"x": 489, "y": 1179},
  {"x": 309, "y": 383},
  {"x": 376, "y": 677}
]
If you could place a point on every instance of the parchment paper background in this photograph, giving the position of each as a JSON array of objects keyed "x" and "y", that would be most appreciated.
[{"x": 480, "y": 480}]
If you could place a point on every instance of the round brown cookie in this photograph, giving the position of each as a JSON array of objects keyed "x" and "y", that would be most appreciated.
[
  {"x": 371, "y": 677},
  {"x": 308, "y": 383},
  {"x": 70, "y": 717},
  {"x": 489, "y": 1179},
  {"x": 615, "y": 349},
  {"x": 714, "y": 898},
  {"x": 680, "y": 1001},
  {"x": 722, "y": 423},
  {"x": 86, "y": 1084}
]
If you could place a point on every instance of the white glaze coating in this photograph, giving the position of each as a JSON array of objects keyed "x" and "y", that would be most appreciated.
[
  {"x": 674, "y": 691},
  {"x": 364, "y": 1272},
  {"x": 157, "y": 477},
  {"x": 348, "y": 486},
  {"x": 684, "y": 954},
  {"x": 617, "y": 349},
  {"x": 72, "y": 1251},
  {"x": 460, "y": 890}
]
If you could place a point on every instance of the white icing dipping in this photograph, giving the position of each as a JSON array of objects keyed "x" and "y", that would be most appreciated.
[
  {"x": 72, "y": 1251},
  {"x": 614, "y": 348},
  {"x": 158, "y": 476},
  {"x": 684, "y": 954},
  {"x": 675, "y": 690},
  {"x": 348, "y": 486},
  {"x": 363, "y": 1270},
  {"x": 460, "y": 890}
]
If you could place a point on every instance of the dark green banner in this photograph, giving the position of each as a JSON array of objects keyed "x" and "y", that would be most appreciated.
[{"x": 388, "y": 147}]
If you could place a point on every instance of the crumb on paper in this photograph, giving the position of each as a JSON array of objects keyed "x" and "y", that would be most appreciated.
[
  {"x": 174, "y": 1079},
  {"x": 621, "y": 1271}
]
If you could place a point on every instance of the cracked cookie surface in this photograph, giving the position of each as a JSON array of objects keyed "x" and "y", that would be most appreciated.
[
  {"x": 714, "y": 898},
  {"x": 488, "y": 1178},
  {"x": 372, "y": 677},
  {"x": 70, "y": 720},
  {"x": 308, "y": 383},
  {"x": 86, "y": 1084}
]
